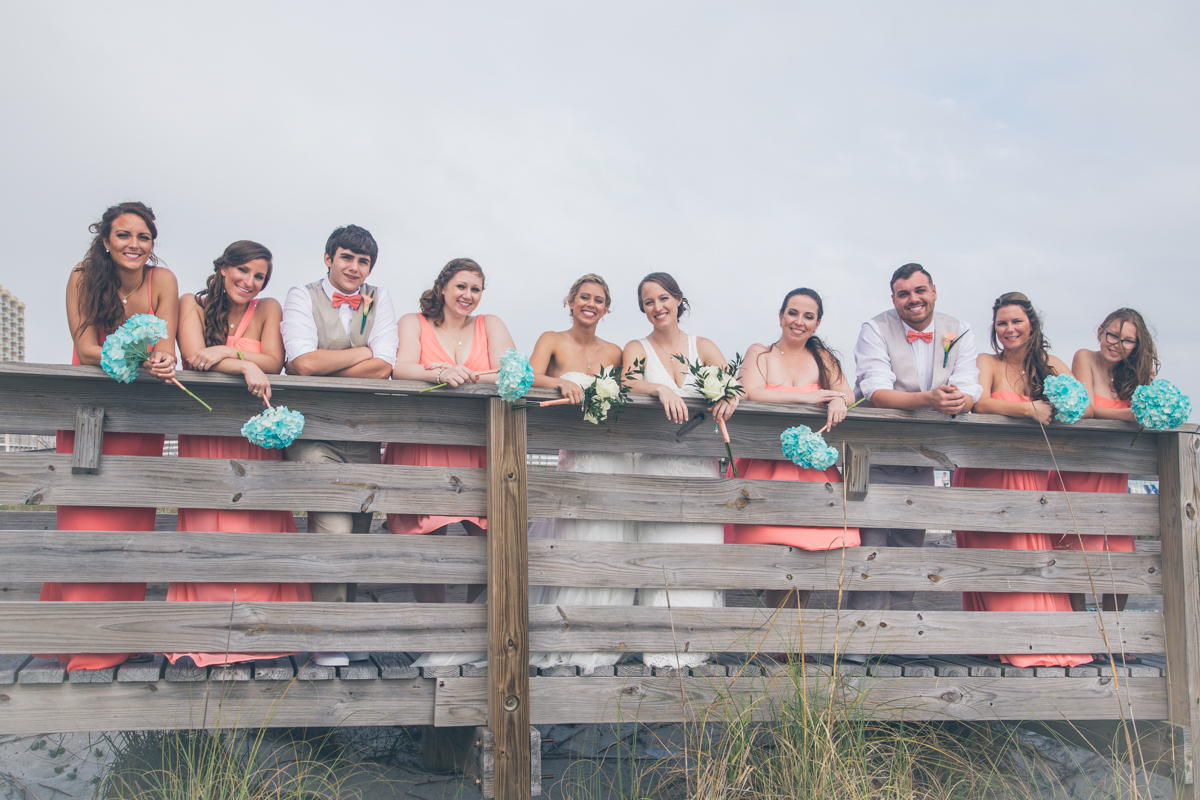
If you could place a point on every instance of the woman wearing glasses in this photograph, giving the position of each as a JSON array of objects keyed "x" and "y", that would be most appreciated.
[{"x": 1126, "y": 360}]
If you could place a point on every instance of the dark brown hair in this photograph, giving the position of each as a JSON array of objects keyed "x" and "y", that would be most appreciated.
[
  {"x": 433, "y": 301},
  {"x": 355, "y": 239},
  {"x": 907, "y": 271},
  {"x": 665, "y": 280},
  {"x": 815, "y": 345},
  {"x": 214, "y": 300},
  {"x": 1139, "y": 366},
  {"x": 99, "y": 302},
  {"x": 1037, "y": 361}
]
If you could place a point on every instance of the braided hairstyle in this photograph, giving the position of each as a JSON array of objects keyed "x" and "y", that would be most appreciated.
[
  {"x": 99, "y": 301},
  {"x": 433, "y": 301},
  {"x": 214, "y": 300},
  {"x": 1139, "y": 366},
  {"x": 815, "y": 345},
  {"x": 1037, "y": 361}
]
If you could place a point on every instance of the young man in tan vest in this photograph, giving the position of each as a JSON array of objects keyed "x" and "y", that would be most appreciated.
[
  {"x": 340, "y": 327},
  {"x": 901, "y": 361}
]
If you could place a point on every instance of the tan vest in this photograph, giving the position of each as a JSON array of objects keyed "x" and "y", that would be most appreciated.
[
  {"x": 901, "y": 354},
  {"x": 331, "y": 334}
]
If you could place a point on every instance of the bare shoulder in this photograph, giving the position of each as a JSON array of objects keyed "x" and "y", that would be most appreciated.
[
  {"x": 493, "y": 324},
  {"x": 188, "y": 303},
  {"x": 268, "y": 307},
  {"x": 166, "y": 279},
  {"x": 1058, "y": 366},
  {"x": 708, "y": 350},
  {"x": 610, "y": 352},
  {"x": 755, "y": 350},
  {"x": 635, "y": 349}
]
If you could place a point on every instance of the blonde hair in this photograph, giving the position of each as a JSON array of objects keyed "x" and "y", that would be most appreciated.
[{"x": 591, "y": 277}]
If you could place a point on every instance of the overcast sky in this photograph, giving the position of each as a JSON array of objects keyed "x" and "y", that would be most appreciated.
[{"x": 747, "y": 148}]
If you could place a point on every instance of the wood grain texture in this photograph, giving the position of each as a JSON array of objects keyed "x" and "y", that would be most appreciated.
[
  {"x": 274, "y": 627},
  {"x": 508, "y": 599},
  {"x": 461, "y": 701},
  {"x": 42, "y": 478},
  {"x": 89, "y": 440},
  {"x": 856, "y": 470},
  {"x": 165, "y": 706},
  {"x": 35, "y": 556},
  {"x": 1179, "y": 495}
]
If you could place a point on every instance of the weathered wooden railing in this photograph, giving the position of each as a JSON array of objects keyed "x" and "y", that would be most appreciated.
[{"x": 37, "y": 399}]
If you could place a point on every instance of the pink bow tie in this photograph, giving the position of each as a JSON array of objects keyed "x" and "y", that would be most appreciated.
[
  {"x": 354, "y": 300},
  {"x": 924, "y": 336}
]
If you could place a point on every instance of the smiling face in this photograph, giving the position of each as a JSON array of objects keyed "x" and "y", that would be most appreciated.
[
  {"x": 590, "y": 304},
  {"x": 244, "y": 281},
  {"x": 462, "y": 293},
  {"x": 1013, "y": 327},
  {"x": 130, "y": 243},
  {"x": 1118, "y": 341},
  {"x": 913, "y": 298},
  {"x": 348, "y": 270},
  {"x": 661, "y": 308},
  {"x": 799, "y": 320}
]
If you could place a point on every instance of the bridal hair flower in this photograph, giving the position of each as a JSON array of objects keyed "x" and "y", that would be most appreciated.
[
  {"x": 128, "y": 346},
  {"x": 1159, "y": 405},
  {"x": 1068, "y": 396},
  {"x": 606, "y": 391},
  {"x": 717, "y": 384},
  {"x": 515, "y": 376},
  {"x": 807, "y": 449},
  {"x": 275, "y": 428}
]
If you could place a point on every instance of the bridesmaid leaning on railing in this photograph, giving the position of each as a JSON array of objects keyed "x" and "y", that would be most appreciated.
[
  {"x": 796, "y": 368},
  {"x": 1013, "y": 385},
  {"x": 118, "y": 278},
  {"x": 227, "y": 328},
  {"x": 1126, "y": 360}
]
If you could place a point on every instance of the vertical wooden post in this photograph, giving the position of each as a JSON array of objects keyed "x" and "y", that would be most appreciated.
[
  {"x": 508, "y": 600},
  {"x": 89, "y": 440},
  {"x": 855, "y": 470},
  {"x": 1179, "y": 519}
]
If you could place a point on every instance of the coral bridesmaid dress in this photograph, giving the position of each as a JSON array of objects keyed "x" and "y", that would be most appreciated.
[
  {"x": 1028, "y": 480},
  {"x": 204, "y": 520},
  {"x": 772, "y": 470},
  {"x": 1112, "y": 482},
  {"x": 102, "y": 518},
  {"x": 439, "y": 455}
]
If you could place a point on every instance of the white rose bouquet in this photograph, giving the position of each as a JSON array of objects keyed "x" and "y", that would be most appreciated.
[
  {"x": 717, "y": 384},
  {"x": 607, "y": 392}
]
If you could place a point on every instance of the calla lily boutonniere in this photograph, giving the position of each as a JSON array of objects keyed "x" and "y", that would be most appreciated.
[
  {"x": 948, "y": 344},
  {"x": 368, "y": 300}
]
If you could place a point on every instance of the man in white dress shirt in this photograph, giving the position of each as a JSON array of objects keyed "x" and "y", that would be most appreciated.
[
  {"x": 340, "y": 327},
  {"x": 911, "y": 357}
]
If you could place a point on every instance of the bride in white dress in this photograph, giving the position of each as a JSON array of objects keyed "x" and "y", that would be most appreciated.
[
  {"x": 569, "y": 361},
  {"x": 667, "y": 379}
]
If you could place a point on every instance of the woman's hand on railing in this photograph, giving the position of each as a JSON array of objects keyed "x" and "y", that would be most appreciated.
[
  {"x": 257, "y": 382},
  {"x": 456, "y": 375},
  {"x": 1042, "y": 411},
  {"x": 673, "y": 404},
  {"x": 836, "y": 411},
  {"x": 161, "y": 365},
  {"x": 571, "y": 390},
  {"x": 724, "y": 409},
  {"x": 208, "y": 357}
]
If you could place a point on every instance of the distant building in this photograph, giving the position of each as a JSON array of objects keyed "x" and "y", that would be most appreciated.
[{"x": 12, "y": 327}]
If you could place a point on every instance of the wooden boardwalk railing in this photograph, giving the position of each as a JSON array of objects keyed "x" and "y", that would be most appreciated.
[{"x": 36, "y": 697}]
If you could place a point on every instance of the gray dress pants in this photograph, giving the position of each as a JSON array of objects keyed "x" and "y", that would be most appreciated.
[{"x": 891, "y": 537}]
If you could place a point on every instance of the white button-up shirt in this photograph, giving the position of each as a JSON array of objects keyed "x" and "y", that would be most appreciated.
[
  {"x": 299, "y": 326},
  {"x": 873, "y": 365}
]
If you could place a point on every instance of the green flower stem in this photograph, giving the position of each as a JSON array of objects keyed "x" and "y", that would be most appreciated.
[
  {"x": 431, "y": 388},
  {"x": 197, "y": 399},
  {"x": 857, "y": 403}
]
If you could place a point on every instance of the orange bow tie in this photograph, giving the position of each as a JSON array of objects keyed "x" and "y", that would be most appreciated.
[
  {"x": 924, "y": 336},
  {"x": 355, "y": 300}
]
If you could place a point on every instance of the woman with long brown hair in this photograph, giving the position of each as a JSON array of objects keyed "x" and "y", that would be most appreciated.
[
  {"x": 1127, "y": 359},
  {"x": 1013, "y": 385},
  {"x": 228, "y": 328},
  {"x": 119, "y": 277},
  {"x": 797, "y": 368},
  {"x": 446, "y": 342}
]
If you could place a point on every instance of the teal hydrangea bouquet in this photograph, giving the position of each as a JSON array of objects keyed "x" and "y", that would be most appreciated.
[
  {"x": 1159, "y": 406},
  {"x": 717, "y": 384},
  {"x": 275, "y": 428},
  {"x": 515, "y": 376},
  {"x": 1068, "y": 396},
  {"x": 126, "y": 348},
  {"x": 807, "y": 449}
]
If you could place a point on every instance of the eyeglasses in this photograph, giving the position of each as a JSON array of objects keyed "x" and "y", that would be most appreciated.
[{"x": 1126, "y": 344}]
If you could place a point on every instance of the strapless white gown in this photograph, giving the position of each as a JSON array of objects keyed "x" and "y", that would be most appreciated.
[
  {"x": 587, "y": 530},
  {"x": 677, "y": 532}
]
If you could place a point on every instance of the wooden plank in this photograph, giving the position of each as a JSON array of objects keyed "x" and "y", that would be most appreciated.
[
  {"x": 163, "y": 706},
  {"x": 414, "y": 627},
  {"x": 89, "y": 440},
  {"x": 277, "y": 669},
  {"x": 216, "y": 483},
  {"x": 40, "y": 671},
  {"x": 9, "y": 666},
  {"x": 648, "y": 700},
  {"x": 508, "y": 599},
  {"x": 1179, "y": 495},
  {"x": 856, "y": 470},
  {"x": 395, "y": 666},
  {"x": 105, "y": 675},
  {"x": 99, "y": 556},
  {"x": 141, "y": 671}
]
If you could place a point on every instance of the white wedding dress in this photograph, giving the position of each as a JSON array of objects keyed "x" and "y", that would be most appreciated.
[
  {"x": 677, "y": 532},
  {"x": 587, "y": 530}
]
